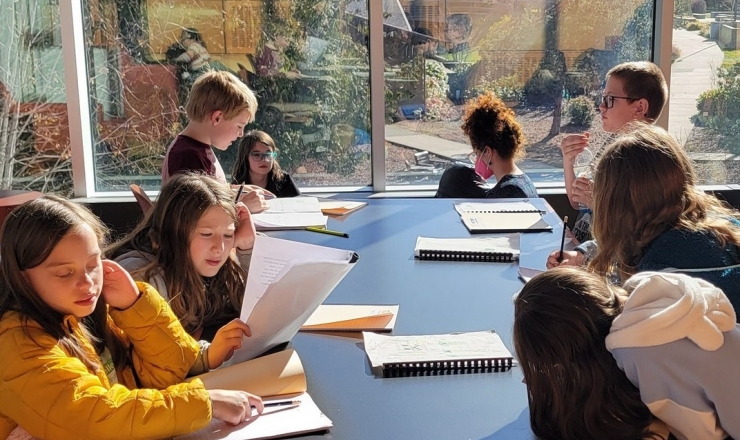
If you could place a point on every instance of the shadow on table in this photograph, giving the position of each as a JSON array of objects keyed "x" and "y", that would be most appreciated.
[{"x": 518, "y": 429}]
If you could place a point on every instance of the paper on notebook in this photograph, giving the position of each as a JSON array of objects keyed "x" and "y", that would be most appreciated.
[
  {"x": 505, "y": 222},
  {"x": 290, "y": 213},
  {"x": 352, "y": 317},
  {"x": 295, "y": 278},
  {"x": 385, "y": 349},
  {"x": 274, "y": 422},
  {"x": 470, "y": 246}
]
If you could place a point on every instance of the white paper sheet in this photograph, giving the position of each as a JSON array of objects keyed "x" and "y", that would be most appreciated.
[
  {"x": 290, "y": 213},
  {"x": 274, "y": 422},
  {"x": 288, "y": 281}
]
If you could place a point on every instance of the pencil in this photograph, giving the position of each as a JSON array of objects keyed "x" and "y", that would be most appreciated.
[
  {"x": 282, "y": 403},
  {"x": 239, "y": 193},
  {"x": 562, "y": 240},
  {"x": 327, "y": 231}
]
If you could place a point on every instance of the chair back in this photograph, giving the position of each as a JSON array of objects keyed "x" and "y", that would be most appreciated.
[{"x": 145, "y": 203}]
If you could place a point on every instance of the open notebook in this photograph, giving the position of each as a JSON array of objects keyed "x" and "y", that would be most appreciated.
[
  {"x": 290, "y": 213},
  {"x": 352, "y": 318},
  {"x": 431, "y": 355},
  {"x": 275, "y": 377}
]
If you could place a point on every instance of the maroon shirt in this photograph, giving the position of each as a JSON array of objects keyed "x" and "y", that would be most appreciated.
[{"x": 186, "y": 154}]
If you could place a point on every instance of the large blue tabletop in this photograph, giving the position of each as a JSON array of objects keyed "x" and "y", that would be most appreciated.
[{"x": 434, "y": 297}]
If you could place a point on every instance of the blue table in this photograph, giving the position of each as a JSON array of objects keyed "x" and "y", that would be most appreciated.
[{"x": 434, "y": 297}]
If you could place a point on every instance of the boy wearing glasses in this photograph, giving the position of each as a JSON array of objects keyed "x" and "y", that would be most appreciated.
[
  {"x": 634, "y": 92},
  {"x": 256, "y": 164}
]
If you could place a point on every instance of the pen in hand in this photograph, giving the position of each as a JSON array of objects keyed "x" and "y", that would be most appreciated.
[
  {"x": 239, "y": 193},
  {"x": 562, "y": 240}
]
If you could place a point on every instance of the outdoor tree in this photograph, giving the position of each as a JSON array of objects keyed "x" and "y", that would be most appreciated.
[{"x": 34, "y": 135}]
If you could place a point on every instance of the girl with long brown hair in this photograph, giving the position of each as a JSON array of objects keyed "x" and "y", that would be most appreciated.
[
  {"x": 257, "y": 164},
  {"x": 194, "y": 246},
  {"x": 78, "y": 337},
  {"x": 585, "y": 347},
  {"x": 649, "y": 215}
]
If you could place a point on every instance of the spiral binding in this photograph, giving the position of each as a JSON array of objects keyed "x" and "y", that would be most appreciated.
[
  {"x": 439, "y": 368},
  {"x": 492, "y": 257}
]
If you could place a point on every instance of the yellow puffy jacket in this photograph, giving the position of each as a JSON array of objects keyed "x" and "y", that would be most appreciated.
[{"x": 52, "y": 395}]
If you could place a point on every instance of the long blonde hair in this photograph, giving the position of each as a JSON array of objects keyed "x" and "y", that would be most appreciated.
[
  {"x": 166, "y": 232},
  {"x": 644, "y": 184},
  {"x": 29, "y": 235}
]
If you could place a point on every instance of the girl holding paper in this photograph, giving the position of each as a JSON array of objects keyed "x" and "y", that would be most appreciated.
[
  {"x": 194, "y": 246},
  {"x": 86, "y": 351}
]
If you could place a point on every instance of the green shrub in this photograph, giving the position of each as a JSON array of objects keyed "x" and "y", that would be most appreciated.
[
  {"x": 693, "y": 26},
  {"x": 698, "y": 6},
  {"x": 580, "y": 110}
]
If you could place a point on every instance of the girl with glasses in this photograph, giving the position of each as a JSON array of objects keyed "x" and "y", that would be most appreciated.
[{"x": 256, "y": 164}]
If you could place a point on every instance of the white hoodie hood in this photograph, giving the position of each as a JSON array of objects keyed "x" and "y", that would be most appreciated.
[{"x": 665, "y": 307}]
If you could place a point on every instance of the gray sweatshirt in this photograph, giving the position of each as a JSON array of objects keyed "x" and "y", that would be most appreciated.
[{"x": 678, "y": 342}]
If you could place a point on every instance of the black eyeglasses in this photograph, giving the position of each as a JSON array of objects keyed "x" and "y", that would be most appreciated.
[
  {"x": 268, "y": 156},
  {"x": 608, "y": 100}
]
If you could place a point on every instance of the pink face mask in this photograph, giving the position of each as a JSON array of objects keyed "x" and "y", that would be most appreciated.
[{"x": 482, "y": 168}]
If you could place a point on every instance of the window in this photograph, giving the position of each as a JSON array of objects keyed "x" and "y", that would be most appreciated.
[
  {"x": 307, "y": 60},
  {"x": 705, "y": 104},
  {"x": 545, "y": 59},
  {"x": 34, "y": 134}
]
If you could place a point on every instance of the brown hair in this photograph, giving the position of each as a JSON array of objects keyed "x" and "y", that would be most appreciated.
[
  {"x": 574, "y": 386},
  {"x": 643, "y": 79},
  {"x": 219, "y": 91},
  {"x": 489, "y": 123},
  {"x": 644, "y": 184},
  {"x": 29, "y": 235},
  {"x": 240, "y": 172},
  {"x": 166, "y": 232}
]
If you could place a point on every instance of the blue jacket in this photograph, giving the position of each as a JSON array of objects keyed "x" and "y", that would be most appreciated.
[{"x": 682, "y": 249}]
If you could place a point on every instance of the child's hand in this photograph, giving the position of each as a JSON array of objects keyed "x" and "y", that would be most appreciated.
[
  {"x": 263, "y": 192},
  {"x": 119, "y": 289},
  {"x": 227, "y": 339},
  {"x": 570, "y": 258},
  {"x": 582, "y": 191},
  {"x": 572, "y": 145},
  {"x": 254, "y": 200},
  {"x": 245, "y": 232},
  {"x": 234, "y": 407}
]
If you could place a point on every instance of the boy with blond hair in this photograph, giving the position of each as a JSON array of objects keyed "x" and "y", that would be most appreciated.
[{"x": 219, "y": 107}]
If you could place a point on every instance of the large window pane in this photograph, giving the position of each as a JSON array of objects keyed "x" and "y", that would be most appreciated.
[
  {"x": 542, "y": 57},
  {"x": 307, "y": 60},
  {"x": 34, "y": 128},
  {"x": 705, "y": 88}
]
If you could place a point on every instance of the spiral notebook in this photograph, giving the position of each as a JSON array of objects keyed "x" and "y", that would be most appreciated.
[
  {"x": 494, "y": 217},
  {"x": 487, "y": 249},
  {"x": 434, "y": 355}
]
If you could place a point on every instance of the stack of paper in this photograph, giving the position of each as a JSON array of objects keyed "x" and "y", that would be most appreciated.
[
  {"x": 276, "y": 377},
  {"x": 287, "y": 283},
  {"x": 352, "y": 318},
  {"x": 340, "y": 207},
  {"x": 290, "y": 213}
]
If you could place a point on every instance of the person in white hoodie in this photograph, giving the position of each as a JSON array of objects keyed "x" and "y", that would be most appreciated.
[{"x": 674, "y": 347}]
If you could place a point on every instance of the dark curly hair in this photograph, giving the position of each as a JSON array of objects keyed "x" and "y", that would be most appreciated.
[{"x": 489, "y": 123}]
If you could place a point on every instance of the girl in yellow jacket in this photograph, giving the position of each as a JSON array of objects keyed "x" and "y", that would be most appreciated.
[{"x": 86, "y": 352}]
